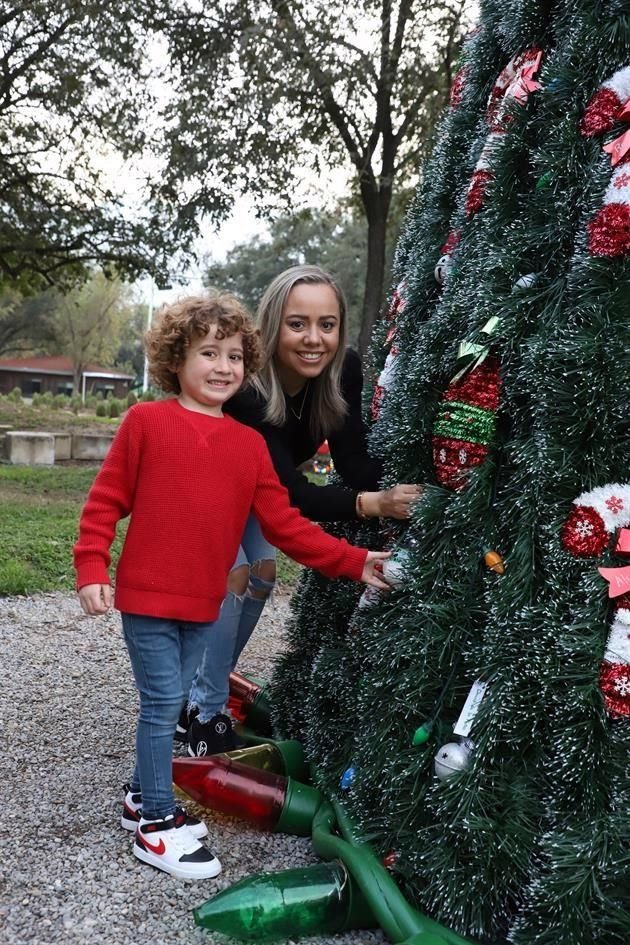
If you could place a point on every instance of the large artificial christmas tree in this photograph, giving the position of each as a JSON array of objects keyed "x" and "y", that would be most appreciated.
[{"x": 484, "y": 704}]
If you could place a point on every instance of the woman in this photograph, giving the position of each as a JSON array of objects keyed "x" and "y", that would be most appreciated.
[{"x": 308, "y": 390}]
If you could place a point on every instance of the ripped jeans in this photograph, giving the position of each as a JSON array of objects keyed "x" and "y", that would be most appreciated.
[{"x": 233, "y": 627}]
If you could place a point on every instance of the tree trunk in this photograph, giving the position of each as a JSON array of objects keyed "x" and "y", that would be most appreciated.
[{"x": 377, "y": 210}]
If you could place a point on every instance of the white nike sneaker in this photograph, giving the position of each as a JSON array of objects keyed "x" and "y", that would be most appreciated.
[
  {"x": 169, "y": 845},
  {"x": 132, "y": 812}
]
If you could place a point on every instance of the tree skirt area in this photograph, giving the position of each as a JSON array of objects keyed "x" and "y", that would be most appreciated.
[{"x": 68, "y": 711}]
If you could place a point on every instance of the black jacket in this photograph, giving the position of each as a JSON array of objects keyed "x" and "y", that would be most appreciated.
[{"x": 292, "y": 444}]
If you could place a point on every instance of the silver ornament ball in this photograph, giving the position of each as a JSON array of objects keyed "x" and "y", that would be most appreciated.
[
  {"x": 442, "y": 268},
  {"x": 525, "y": 282},
  {"x": 452, "y": 758},
  {"x": 394, "y": 568}
]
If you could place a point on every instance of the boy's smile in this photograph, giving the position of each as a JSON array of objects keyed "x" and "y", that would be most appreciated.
[{"x": 211, "y": 373}]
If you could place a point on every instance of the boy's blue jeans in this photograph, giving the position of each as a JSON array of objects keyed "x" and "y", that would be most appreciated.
[
  {"x": 233, "y": 628},
  {"x": 164, "y": 655}
]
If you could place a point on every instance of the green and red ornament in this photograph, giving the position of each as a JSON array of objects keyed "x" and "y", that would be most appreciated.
[
  {"x": 465, "y": 423},
  {"x": 609, "y": 108}
]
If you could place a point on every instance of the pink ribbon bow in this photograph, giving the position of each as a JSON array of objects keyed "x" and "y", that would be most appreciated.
[
  {"x": 621, "y": 145},
  {"x": 618, "y": 580}
]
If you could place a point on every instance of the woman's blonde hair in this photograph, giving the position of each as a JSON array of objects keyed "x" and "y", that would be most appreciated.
[
  {"x": 328, "y": 405},
  {"x": 177, "y": 325}
]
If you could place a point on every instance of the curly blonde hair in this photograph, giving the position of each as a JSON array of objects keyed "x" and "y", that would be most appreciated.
[{"x": 176, "y": 326}]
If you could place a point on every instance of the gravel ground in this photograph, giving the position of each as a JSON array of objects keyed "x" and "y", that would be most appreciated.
[{"x": 67, "y": 708}]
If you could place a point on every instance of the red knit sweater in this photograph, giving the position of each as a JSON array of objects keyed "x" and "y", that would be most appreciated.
[{"x": 189, "y": 482}]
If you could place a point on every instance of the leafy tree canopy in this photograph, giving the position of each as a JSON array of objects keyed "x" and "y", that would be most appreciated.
[
  {"x": 334, "y": 239},
  {"x": 264, "y": 87},
  {"x": 72, "y": 95},
  {"x": 322, "y": 238}
]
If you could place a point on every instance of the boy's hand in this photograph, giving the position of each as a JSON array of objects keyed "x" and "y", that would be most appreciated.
[
  {"x": 371, "y": 573},
  {"x": 95, "y": 599}
]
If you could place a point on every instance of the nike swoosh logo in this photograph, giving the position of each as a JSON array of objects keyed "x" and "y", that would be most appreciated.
[{"x": 157, "y": 848}]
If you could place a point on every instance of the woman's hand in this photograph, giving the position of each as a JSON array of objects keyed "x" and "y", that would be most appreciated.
[
  {"x": 372, "y": 570},
  {"x": 95, "y": 599},
  {"x": 391, "y": 503}
]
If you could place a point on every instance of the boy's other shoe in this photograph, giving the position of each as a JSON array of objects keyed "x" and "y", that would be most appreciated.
[
  {"x": 183, "y": 724},
  {"x": 169, "y": 845},
  {"x": 211, "y": 738},
  {"x": 132, "y": 812}
]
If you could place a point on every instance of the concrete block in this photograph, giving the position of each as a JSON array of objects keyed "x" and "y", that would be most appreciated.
[
  {"x": 94, "y": 446},
  {"x": 26, "y": 448},
  {"x": 63, "y": 446}
]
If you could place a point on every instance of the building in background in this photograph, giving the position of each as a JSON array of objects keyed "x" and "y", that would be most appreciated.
[{"x": 55, "y": 375}]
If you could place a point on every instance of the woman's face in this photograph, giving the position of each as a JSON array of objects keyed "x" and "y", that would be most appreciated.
[{"x": 309, "y": 335}]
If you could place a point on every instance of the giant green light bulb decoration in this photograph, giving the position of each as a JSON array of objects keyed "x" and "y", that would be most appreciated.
[{"x": 313, "y": 900}]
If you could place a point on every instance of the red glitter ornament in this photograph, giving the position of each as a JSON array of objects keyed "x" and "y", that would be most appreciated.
[
  {"x": 614, "y": 681},
  {"x": 609, "y": 231},
  {"x": 584, "y": 533},
  {"x": 601, "y": 113},
  {"x": 479, "y": 387}
]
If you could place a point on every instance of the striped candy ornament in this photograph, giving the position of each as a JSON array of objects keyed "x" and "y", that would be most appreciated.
[
  {"x": 609, "y": 230},
  {"x": 515, "y": 83},
  {"x": 388, "y": 375},
  {"x": 614, "y": 676},
  {"x": 587, "y": 531}
]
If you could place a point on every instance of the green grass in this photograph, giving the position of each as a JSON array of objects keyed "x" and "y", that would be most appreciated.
[{"x": 39, "y": 511}]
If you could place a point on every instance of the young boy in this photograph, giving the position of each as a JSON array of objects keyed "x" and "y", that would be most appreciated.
[{"x": 188, "y": 476}]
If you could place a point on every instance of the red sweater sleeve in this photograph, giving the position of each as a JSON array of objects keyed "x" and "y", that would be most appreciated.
[
  {"x": 299, "y": 538},
  {"x": 109, "y": 500}
]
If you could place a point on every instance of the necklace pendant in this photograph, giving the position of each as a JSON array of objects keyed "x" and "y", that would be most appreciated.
[{"x": 298, "y": 416}]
